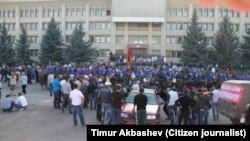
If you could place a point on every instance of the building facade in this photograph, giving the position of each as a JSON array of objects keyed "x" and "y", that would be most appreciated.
[{"x": 154, "y": 27}]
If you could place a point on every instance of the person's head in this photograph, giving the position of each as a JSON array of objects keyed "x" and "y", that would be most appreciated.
[
  {"x": 185, "y": 91},
  {"x": 118, "y": 87},
  {"x": 19, "y": 94},
  {"x": 77, "y": 85},
  {"x": 141, "y": 90},
  {"x": 7, "y": 96}
]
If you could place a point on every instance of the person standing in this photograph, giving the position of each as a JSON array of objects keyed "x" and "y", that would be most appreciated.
[
  {"x": 185, "y": 103},
  {"x": 117, "y": 99},
  {"x": 215, "y": 99},
  {"x": 56, "y": 91},
  {"x": 23, "y": 81},
  {"x": 66, "y": 88},
  {"x": 12, "y": 84},
  {"x": 140, "y": 102},
  {"x": 105, "y": 99},
  {"x": 77, "y": 101}
]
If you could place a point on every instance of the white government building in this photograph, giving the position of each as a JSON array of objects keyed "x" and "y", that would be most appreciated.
[{"x": 154, "y": 27}]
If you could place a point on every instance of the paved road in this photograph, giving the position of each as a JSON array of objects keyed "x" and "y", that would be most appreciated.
[{"x": 41, "y": 122}]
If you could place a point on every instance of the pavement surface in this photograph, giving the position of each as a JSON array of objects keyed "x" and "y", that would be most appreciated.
[{"x": 41, "y": 122}]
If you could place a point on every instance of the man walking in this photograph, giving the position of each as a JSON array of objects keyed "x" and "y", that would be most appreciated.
[
  {"x": 140, "y": 102},
  {"x": 23, "y": 81},
  {"x": 77, "y": 101}
]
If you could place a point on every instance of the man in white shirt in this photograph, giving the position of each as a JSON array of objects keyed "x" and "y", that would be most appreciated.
[
  {"x": 50, "y": 81},
  {"x": 23, "y": 81},
  {"x": 173, "y": 96},
  {"x": 215, "y": 99},
  {"x": 21, "y": 102},
  {"x": 77, "y": 101}
]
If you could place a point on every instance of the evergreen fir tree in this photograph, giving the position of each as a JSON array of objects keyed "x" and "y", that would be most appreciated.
[
  {"x": 51, "y": 44},
  {"x": 79, "y": 50},
  {"x": 22, "y": 48},
  {"x": 194, "y": 44},
  {"x": 226, "y": 44},
  {"x": 7, "y": 52},
  {"x": 245, "y": 49}
]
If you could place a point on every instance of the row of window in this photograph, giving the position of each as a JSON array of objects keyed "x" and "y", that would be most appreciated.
[
  {"x": 105, "y": 52},
  {"x": 9, "y": 26},
  {"x": 203, "y": 12},
  {"x": 29, "y": 26},
  {"x": 29, "y": 13},
  {"x": 79, "y": 12},
  {"x": 72, "y": 25},
  {"x": 52, "y": 12},
  {"x": 99, "y": 25},
  {"x": 120, "y": 39},
  {"x": 100, "y": 12},
  {"x": 7, "y": 13}
]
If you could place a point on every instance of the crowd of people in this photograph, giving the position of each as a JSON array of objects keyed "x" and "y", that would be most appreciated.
[{"x": 188, "y": 92}]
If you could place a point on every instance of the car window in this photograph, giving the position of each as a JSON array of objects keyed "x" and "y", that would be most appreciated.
[{"x": 151, "y": 98}]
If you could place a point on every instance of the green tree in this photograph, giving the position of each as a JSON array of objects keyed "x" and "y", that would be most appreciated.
[
  {"x": 194, "y": 44},
  {"x": 245, "y": 49},
  {"x": 22, "y": 48},
  {"x": 51, "y": 44},
  {"x": 7, "y": 52},
  {"x": 79, "y": 50},
  {"x": 226, "y": 44}
]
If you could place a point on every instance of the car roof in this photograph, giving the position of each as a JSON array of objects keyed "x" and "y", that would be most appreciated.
[
  {"x": 237, "y": 82},
  {"x": 151, "y": 91}
]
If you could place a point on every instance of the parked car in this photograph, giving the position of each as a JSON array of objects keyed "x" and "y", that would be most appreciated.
[
  {"x": 234, "y": 98},
  {"x": 152, "y": 108}
]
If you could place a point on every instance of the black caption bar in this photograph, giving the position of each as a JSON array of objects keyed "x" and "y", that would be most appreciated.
[{"x": 167, "y": 132}]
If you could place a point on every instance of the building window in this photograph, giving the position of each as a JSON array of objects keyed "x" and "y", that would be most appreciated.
[
  {"x": 137, "y": 26},
  {"x": 103, "y": 52},
  {"x": 173, "y": 54},
  {"x": 235, "y": 27},
  {"x": 247, "y": 27},
  {"x": 185, "y": 12},
  {"x": 168, "y": 54},
  {"x": 120, "y": 39},
  {"x": 33, "y": 52},
  {"x": 92, "y": 11},
  {"x": 179, "y": 54},
  {"x": 67, "y": 38},
  {"x": 174, "y": 39},
  {"x": 156, "y": 26},
  {"x": 29, "y": 26},
  {"x": 28, "y": 13},
  {"x": 104, "y": 39},
  {"x": 156, "y": 40},
  {"x": 108, "y": 12},
  {"x": 156, "y": 52},
  {"x": 72, "y": 25},
  {"x": 211, "y": 13},
  {"x": 119, "y": 52},
  {"x": 138, "y": 39},
  {"x": 33, "y": 39},
  {"x": 120, "y": 26},
  {"x": 173, "y": 12},
  {"x": 180, "y": 12}
]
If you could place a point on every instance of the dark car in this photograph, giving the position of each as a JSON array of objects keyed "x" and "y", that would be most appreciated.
[{"x": 152, "y": 108}]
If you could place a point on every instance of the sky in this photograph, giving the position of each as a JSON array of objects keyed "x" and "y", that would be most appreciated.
[{"x": 239, "y": 5}]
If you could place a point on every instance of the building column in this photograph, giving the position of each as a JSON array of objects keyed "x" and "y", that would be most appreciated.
[
  {"x": 87, "y": 22},
  {"x": 63, "y": 21},
  {"x": 17, "y": 22},
  {"x": 40, "y": 24}
]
